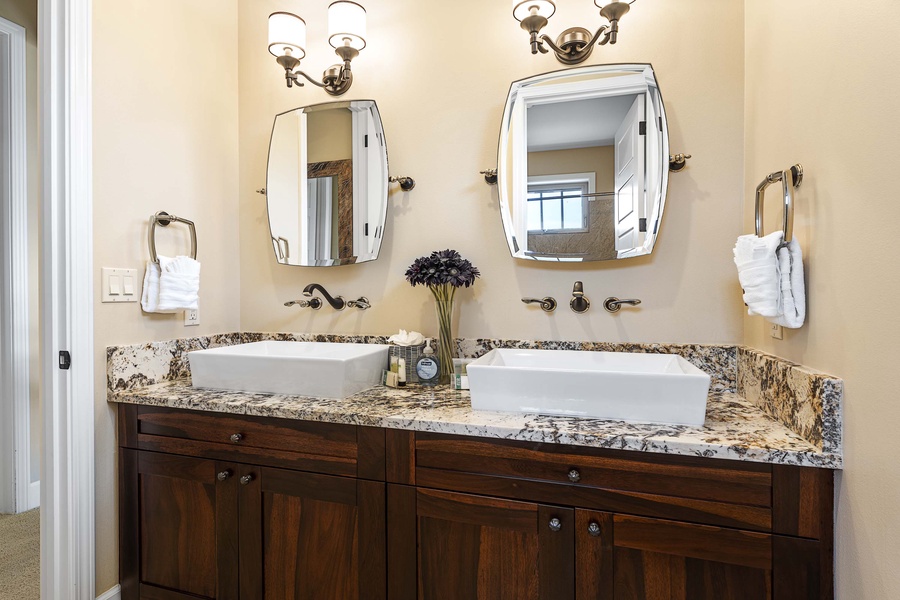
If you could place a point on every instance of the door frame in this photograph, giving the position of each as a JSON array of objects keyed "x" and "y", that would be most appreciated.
[
  {"x": 67, "y": 316},
  {"x": 15, "y": 407}
]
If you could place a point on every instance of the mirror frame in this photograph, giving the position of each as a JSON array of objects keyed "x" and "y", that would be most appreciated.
[
  {"x": 503, "y": 151},
  {"x": 386, "y": 186}
]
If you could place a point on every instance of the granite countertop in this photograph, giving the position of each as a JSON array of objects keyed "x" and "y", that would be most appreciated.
[{"x": 735, "y": 428}]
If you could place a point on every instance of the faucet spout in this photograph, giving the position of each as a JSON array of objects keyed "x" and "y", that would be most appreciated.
[{"x": 336, "y": 303}]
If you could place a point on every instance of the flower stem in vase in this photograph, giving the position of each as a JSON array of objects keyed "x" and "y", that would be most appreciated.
[{"x": 443, "y": 302}]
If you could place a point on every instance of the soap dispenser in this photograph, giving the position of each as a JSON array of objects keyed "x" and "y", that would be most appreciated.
[{"x": 427, "y": 367}]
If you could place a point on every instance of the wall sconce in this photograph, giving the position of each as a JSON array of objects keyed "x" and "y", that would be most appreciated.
[
  {"x": 346, "y": 34},
  {"x": 575, "y": 44}
]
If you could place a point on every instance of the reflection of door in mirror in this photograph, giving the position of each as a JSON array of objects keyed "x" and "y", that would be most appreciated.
[
  {"x": 328, "y": 222},
  {"x": 326, "y": 185}
]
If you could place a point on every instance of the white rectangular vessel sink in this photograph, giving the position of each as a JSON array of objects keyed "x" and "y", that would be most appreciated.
[
  {"x": 320, "y": 369},
  {"x": 621, "y": 386}
]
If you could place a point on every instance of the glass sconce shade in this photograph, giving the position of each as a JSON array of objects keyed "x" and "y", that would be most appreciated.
[
  {"x": 525, "y": 8},
  {"x": 287, "y": 31},
  {"x": 346, "y": 24}
]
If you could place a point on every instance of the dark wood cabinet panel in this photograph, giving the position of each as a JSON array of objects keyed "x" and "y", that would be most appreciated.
[
  {"x": 311, "y": 537},
  {"x": 662, "y": 475},
  {"x": 487, "y": 548},
  {"x": 185, "y": 541},
  {"x": 318, "y": 447},
  {"x": 664, "y": 560}
]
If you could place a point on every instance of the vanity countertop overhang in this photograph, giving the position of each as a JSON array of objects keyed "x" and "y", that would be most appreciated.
[{"x": 761, "y": 408}]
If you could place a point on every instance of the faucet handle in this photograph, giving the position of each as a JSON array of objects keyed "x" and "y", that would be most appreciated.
[
  {"x": 548, "y": 303},
  {"x": 313, "y": 303},
  {"x": 361, "y": 303},
  {"x": 613, "y": 304}
]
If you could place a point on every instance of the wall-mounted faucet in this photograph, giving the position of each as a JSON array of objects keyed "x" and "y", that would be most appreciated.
[
  {"x": 336, "y": 303},
  {"x": 579, "y": 302}
]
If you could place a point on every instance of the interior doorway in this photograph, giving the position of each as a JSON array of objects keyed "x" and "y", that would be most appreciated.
[{"x": 20, "y": 389}]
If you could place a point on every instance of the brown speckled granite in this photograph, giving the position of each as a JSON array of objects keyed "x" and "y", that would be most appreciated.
[
  {"x": 735, "y": 429},
  {"x": 807, "y": 401},
  {"x": 767, "y": 396}
]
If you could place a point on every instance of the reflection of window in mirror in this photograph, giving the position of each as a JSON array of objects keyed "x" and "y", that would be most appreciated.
[{"x": 557, "y": 204}]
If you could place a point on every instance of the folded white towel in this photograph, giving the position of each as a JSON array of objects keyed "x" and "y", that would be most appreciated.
[
  {"x": 757, "y": 265},
  {"x": 171, "y": 285},
  {"x": 179, "y": 283},
  {"x": 771, "y": 274},
  {"x": 793, "y": 289}
]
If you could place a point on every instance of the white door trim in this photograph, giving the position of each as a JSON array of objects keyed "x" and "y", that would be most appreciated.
[
  {"x": 67, "y": 474},
  {"x": 15, "y": 409}
]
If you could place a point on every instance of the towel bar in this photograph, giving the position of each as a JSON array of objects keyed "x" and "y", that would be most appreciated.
[
  {"x": 790, "y": 179},
  {"x": 163, "y": 219}
]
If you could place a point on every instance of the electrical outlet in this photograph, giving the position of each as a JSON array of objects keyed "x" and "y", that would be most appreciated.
[
  {"x": 192, "y": 317},
  {"x": 776, "y": 331}
]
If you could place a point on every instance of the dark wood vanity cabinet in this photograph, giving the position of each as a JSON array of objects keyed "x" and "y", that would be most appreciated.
[
  {"x": 231, "y": 522},
  {"x": 293, "y": 509}
]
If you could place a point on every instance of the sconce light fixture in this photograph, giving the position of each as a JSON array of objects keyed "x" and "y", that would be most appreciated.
[
  {"x": 575, "y": 44},
  {"x": 346, "y": 34}
]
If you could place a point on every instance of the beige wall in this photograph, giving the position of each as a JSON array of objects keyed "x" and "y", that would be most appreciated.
[
  {"x": 814, "y": 91},
  {"x": 24, "y": 13},
  {"x": 165, "y": 138},
  {"x": 441, "y": 112}
]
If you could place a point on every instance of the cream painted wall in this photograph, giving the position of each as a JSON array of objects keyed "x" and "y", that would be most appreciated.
[
  {"x": 165, "y": 138},
  {"x": 441, "y": 95},
  {"x": 24, "y": 13},
  {"x": 824, "y": 95}
]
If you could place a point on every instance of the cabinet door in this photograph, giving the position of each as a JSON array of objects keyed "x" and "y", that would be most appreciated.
[
  {"x": 632, "y": 558},
  {"x": 473, "y": 547},
  {"x": 310, "y": 537},
  {"x": 178, "y": 528}
]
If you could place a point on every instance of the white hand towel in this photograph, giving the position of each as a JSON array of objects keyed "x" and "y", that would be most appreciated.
[
  {"x": 757, "y": 263},
  {"x": 793, "y": 289},
  {"x": 179, "y": 283},
  {"x": 150, "y": 292}
]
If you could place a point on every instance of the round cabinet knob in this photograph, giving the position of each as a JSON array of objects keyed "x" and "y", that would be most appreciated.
[
  {"x": 237, "y": 437},
  {"x": 555, "y": 524},
  {"x": 224, "y": 475},
  {"x": 246, "y": 479},
  {"x": 594, "y": 528},
  {"x": 574, "y": 475}
]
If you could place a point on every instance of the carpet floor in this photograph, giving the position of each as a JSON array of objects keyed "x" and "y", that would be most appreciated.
[{"x": 20, "y": 563}]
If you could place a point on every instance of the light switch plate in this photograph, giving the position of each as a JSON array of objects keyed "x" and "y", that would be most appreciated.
[
  {"x": 119, "y": 285},
  {"x": 776, "y": 331}
]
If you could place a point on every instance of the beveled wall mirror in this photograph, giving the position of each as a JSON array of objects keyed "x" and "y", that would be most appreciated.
[
  {"x": 583, "y": 164},
  {"x": 327, "y": 184}
]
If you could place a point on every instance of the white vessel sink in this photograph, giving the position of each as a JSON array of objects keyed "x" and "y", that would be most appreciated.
[
  {"x": 321, "y": 369},
  {"x": 648, "y": 388}
]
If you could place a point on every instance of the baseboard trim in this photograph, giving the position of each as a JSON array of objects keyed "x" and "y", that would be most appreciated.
[
  {"x": 113, "y": 593},
  {"x": 34, "y": 494}
]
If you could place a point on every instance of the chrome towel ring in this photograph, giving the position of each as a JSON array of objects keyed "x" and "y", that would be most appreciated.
[
  {"x": 790, "y": 180},
  {"x": 163, "y": 219}
]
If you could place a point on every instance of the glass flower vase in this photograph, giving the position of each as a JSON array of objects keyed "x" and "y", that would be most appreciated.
[{"x": 443, "y": 302}]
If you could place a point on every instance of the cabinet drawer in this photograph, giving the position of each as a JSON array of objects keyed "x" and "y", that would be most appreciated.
[
  {"x": 319, "y": 447},
  {"x": 729, "y": 493}
]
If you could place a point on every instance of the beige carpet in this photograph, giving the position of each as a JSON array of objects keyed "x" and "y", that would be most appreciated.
[{"x": 20, "y": 563}]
